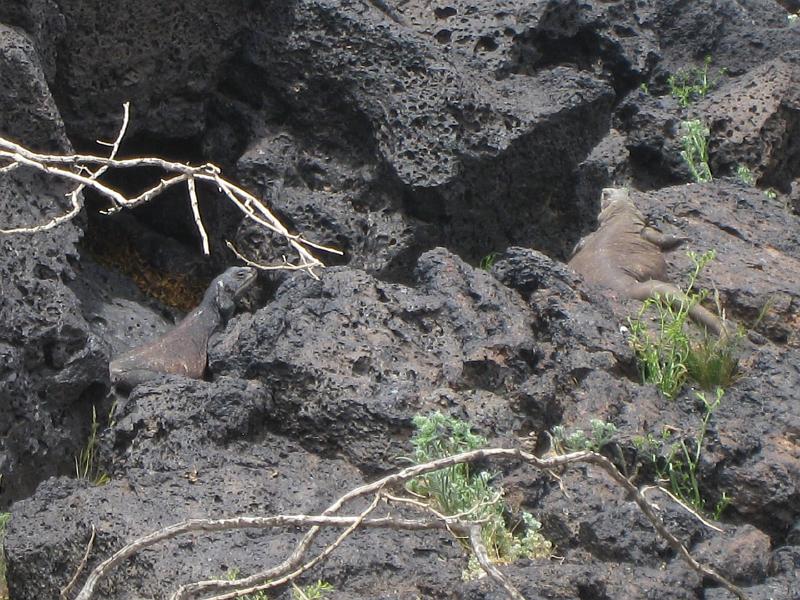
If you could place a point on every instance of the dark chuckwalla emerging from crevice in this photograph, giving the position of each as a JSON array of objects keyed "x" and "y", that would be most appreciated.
[
  {"x": 184, "y": 350},
  {"x": 624, "y": 255}
]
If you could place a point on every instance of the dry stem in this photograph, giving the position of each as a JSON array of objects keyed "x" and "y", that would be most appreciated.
[
  {"x": 68, "y": 588},
  {"x": 292, "y": 567},
  {"x": 85, "y": 169},
  {"x": 479, "y": 549}
]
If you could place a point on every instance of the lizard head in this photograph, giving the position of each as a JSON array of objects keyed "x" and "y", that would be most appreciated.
[
  {"x": 615, "y": 201},
  {"x": 226, "y": 289}
]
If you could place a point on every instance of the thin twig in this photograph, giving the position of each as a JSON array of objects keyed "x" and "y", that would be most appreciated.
[
  {"x": 685, "y": 506},
  {"x": 442, "y": 517},
  {"x": 87, "y": 169},
  {"x": 68, "y": 588},
  {"x": 196, "y": 214},
  {"x": 375, "y": 488},
  {"x": 286, "y": 266},
  {"x": 75, "y": 195}
]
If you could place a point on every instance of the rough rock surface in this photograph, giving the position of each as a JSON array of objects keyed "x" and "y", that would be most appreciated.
[
  {"x": 49, "y": 359},
  {"x": 419, "y": 137}
]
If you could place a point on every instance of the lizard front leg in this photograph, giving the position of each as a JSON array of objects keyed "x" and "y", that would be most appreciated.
[{"x": 662, "y": 240}]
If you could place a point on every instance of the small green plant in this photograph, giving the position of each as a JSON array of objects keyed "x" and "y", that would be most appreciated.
[
  {"x": 695, "y": 149},
  {"x": 602, "y": 433},
  {"x": 669, "y": 357},
  {"x": 771, "y": 193},
  {"x": 643, "y": 88},
  {"x": 4, "y": 519},
  {"x": 688, "y": 85},
  {"x": 313, "y": 591},
  {"x": 487, "y": 262},
  {"x": 713, "y": 362},
  {"x": 676, "y": 462},
  {"x": 745, "y": 175},
  {"x": 233, "y": 574},
  {"x": 85, "y": 462},
  {"x": 460, "y": 490},
  {"x": 765, "y": 309}
]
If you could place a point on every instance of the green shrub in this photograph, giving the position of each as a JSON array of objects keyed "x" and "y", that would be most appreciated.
[
  {"x": 313, "y": 591},
  {"x": 461, "y": 490},
  {"x": 689, "y": 85},
  {"x": 671, "y": 356},
  {"x": 676, "y": 462},
  {"x": 695, "y": 149}
]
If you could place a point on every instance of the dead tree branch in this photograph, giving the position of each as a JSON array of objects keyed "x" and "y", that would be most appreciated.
[
  {"x": 293, "y": 566},
  {"x": 85, "y": 169},
  {"x": 68, "y": 588},
  {"x": 479, "y": 549}
]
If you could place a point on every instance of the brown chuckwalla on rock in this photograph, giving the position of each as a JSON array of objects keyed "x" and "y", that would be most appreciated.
[
  {"x": 624, "y": 255},
  {"x": 184, "y": 350}
]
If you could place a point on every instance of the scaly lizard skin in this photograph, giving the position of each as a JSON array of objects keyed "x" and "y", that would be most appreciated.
[
  {"x": 184, "y": 350},
  {"x": 624, "y": 255}
]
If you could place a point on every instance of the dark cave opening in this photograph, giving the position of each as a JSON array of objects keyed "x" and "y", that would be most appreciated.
[{"x": 157, "y": 244}]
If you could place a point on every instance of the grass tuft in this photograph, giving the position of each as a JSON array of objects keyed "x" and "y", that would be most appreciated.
[
  {"x": 671, "y": 355},
  {"x": 695, "y": 149},
  {"x": 86, "y": 462},
  {"x": 487, "y": 262},
  {"x": 690, "y": 85}
]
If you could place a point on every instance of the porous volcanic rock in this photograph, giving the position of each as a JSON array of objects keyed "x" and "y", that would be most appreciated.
[
  {"x": 50, "y": 363},
  {"x": 757, "y": 244},
  {"x": 421, "y": 138},
  {"x": 754, "y": 121}
]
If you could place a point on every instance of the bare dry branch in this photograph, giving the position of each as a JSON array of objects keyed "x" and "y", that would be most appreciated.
[
  {"x": 198, "y": 221},
  {"x": 67, "y": 588},
  {"x": 479, "y": 549},
  {"x": 292, "y": 566},
  {"x": 682, "y": 504},
  {"x": 308, "y": 565},
  {"x": 85, "y": 169}
]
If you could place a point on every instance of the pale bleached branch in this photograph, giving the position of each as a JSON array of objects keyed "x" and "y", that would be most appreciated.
[
  {"x": 285, "y": 266},
  {"x": 292, "y": 564},
  {"x": 479, "y": 550},
  {"x": 198, "y": 221},
  {"x": 85, "y": 169},
  {"x": 308, "y": 565},
  {"x": 682, "y": 504},
  {"x": 68, "y": 588}
]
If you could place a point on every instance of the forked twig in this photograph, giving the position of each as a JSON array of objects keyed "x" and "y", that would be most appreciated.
[
  {"x": 68, "y": 588},
  {"x": 85, "y": 169},
  {"x": 293, "y": 565}
]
